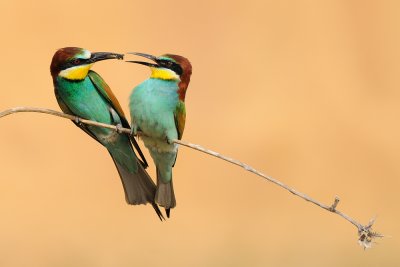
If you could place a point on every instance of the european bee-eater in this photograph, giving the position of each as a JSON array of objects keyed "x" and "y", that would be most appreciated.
[
  {"x": 158, "y": 110},
  {"x": 83, "y": 93}
]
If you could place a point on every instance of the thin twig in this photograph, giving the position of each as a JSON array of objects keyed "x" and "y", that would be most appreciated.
[{"x": 365, "y": 233}]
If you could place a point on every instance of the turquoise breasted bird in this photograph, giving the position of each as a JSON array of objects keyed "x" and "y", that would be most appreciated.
[
  {"x": 157, "y": 109},
  {"x": 82, "y": 92}
]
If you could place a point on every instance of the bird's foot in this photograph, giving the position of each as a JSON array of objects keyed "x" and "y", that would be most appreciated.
[
  {"x": 118, "y": 128},
  {"x": 134, "y": 131},
  {"x": 77, "y": 120},
  {"x": 169, "y": 141}
]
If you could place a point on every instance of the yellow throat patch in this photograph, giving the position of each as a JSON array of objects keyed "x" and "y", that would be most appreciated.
[
  {"x": 76, "y": 73},
  {"x": 163, "y": 74}
]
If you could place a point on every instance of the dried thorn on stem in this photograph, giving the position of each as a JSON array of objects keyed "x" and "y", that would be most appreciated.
[{"x": 334, "y": 205}]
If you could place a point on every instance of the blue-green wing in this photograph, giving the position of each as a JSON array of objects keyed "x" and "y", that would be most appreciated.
[
  {"x": 105, "y": 90},
  {"x": 180, "y": 118},
  {"x": 66, "y": 110}
]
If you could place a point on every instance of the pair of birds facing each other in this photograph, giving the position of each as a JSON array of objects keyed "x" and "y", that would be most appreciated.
[{"x": 157, "y": 109}]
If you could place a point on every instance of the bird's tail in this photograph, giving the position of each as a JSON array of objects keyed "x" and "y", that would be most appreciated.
[
  {"x": 165, "y": 196},
  {"x": 138, "y": 186}
]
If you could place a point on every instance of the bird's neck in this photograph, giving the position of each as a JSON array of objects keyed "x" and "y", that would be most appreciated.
[{"x": 65, "y": 84}]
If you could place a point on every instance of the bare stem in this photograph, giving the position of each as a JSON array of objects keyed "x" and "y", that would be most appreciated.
[{"x": 366, "y": 235}]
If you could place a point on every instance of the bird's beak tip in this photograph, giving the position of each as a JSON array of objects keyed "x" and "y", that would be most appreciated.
[
  {"x": 148, "y": 56},
  {"x": 98, "y": 56}
]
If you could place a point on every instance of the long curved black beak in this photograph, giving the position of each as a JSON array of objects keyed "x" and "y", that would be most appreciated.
[
  {"x": 98, "y": 56},
  {"x": 151, "y": 57}
]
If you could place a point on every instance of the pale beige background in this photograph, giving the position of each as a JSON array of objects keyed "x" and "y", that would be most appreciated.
[{"x": 306, "y": 91}]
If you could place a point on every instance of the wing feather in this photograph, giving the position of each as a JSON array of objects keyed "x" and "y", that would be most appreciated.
[
  {"x": 105, "y": 90},
  {"x": 180, "y": 118}
]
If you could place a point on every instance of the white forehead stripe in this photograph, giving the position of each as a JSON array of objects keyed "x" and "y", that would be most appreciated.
[{"x": 84, "y": 55}]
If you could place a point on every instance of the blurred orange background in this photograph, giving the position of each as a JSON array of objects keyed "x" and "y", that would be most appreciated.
[{"x": 305, "y": 91}]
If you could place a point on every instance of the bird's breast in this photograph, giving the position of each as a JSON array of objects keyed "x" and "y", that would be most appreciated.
[
  {"x": 152, "y": 111},
  {"x": 84, "y": 101}
]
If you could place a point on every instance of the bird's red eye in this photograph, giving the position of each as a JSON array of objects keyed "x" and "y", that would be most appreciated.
[{"x": 76, "y": 61}]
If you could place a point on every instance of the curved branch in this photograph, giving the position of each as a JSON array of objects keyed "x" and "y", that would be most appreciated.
[{"x": 365, "y": 233}]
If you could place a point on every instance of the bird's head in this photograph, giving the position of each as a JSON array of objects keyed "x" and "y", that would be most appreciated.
[
  {"x": 169, "y": 67},
  {"x": 74, "y": 63}
]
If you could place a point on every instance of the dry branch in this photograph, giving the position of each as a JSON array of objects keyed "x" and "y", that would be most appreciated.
[{"x": 365, "y": 233}]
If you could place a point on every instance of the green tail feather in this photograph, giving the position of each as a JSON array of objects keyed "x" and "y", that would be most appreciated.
[
  {"x": 138, "y": 186},
  {"x": 165, "y": 196}
]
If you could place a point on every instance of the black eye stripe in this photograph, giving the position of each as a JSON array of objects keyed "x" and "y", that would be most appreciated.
[
  {"x": 72, "y": 63},
  {"x": 79, "y": 60},
  {"x": 171, "y": 65},
  {"x": 177, "y": 69}
]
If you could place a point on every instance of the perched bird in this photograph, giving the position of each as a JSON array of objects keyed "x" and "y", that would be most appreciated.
[
  {"x": 82, "y": 92},
  {"x": 157, "y": 108}
]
